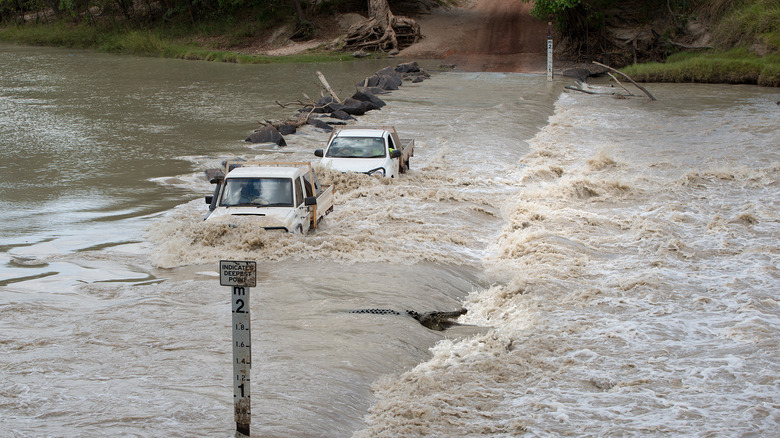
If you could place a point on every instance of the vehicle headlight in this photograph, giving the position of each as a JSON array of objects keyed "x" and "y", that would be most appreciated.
[{"x": 377, "y": 172}]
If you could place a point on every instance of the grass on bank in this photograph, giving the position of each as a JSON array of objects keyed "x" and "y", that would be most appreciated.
[
  {"x": 736, "y": 66},
  {"x": 740, "y": 30},
  {"x": 143, "y": 43}
]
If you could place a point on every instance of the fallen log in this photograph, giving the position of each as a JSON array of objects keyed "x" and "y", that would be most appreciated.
[
  {"x": 569, "y": 87},
  {"x": 615, "y": 95},
  {"x": 627, "y": 77},
  {"x": 619, "y": 83},
  {"x": 327, "y": 86}
]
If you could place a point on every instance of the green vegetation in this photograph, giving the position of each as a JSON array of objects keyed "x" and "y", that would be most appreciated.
[
  {"x": 749, "y": 23},
  {"x": 144, "y": 43},
  {"x": 736, "y": 66},
  {"x": 206, "y": 30},
  {"x": 139, "y": 13},
  {"x": 745, "y": 38}
]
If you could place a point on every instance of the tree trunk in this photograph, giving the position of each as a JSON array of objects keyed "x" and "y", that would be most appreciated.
[
  {"x": 382, "y": 31},
  {"x": 304, "y": 29},
  {"x": 296, "y": 4}
]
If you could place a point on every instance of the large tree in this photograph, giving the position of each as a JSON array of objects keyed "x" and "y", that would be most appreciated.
[{"x": 382, "y": 31}]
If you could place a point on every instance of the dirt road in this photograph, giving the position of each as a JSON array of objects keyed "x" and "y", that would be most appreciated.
[{"x": 485, "y": 35}]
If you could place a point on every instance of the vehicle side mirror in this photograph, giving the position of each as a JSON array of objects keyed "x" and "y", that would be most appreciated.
[
  {"x": 310, "y": 200},
  {"x": 209, "y": 199},
  {"x": 318, "y": 153},
  {"x": 395, "y": 154}
]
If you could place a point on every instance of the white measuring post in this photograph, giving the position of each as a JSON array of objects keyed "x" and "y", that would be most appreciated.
[
  {"x": 240, "y": 275},
  {"x": 549, "y": 52}
]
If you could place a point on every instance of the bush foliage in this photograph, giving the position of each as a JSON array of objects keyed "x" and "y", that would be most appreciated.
[{"x": 137, "y": 12}]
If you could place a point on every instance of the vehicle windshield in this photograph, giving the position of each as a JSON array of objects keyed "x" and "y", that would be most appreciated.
[
  {"x": 357, "y": 147},
  {"x": 259, "y": 192}
]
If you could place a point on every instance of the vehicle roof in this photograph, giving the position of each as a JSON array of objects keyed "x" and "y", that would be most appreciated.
[
  {"x": 360, "y": 133},
  {"x": 263, "y": 171}
]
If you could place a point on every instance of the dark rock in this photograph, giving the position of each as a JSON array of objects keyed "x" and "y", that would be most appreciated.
[
  {"x": 287, "y": 129},
  {"x": 324, "y": 100},
  {"x": 388, "y": 83},
  {"x": 408, "y": 67},
  {"x": 370, "y": 81},
  {"x": 579, "y": 73},
  {"x": 323, "y": 105},
  {"x": 373, "y": 90},
  {"x": 317, "y": 123},
  {"x": 333, "y": 107},
  {"x": 356, "y": 107},
  {"x": 416, "y": 77},
  {"x": 365, "y": 95},
  {"x": 341, "y": 115},
  {"x": 212, "y": 175},
  {"x": 392, "y": 78},
  {"x": 268, "y": 134},
  {"x": 384, "y": 81}
]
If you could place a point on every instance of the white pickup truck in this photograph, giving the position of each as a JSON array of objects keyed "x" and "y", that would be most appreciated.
[
  {"x": 280, "y": 195},
  {"x": 373, "y": 150}
]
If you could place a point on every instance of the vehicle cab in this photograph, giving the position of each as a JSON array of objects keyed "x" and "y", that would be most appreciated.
[
  {"x": 370, "y": 151},
  {"x": 279, "y": 198}
]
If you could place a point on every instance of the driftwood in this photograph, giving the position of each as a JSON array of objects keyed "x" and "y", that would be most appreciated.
[
  {"x": 615, "y": 95},
  {"x": 619, "y": 83},
  {"x": 327, "y": 86},
  {"x": 569, "y": 87},
  {"x": 298, "y": 103},
  {"x": 306, "y": 108},
  {"x": 627, "y": 77},
  {"x": 363, "y": 100}
]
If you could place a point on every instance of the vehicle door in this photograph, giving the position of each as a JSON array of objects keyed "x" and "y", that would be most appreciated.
[
  {"x": 394, "y": 162},
  {"x": 302, "y": 211}
]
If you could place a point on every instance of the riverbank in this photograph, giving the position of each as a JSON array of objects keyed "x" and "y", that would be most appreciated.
[
  {"x": 467, "y": 36},
  {"x": 737, "y": 66}
]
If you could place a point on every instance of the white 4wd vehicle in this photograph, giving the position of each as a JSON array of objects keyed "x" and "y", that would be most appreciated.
[
  {"x": 373, "y": 150},
  {"x": 280, "y": 195}
]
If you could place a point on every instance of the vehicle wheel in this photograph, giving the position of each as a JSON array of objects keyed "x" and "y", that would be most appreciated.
[{"x": 299, "y": 230}]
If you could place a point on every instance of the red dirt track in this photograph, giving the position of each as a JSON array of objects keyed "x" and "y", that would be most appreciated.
[{"x": 507, "y": 38}]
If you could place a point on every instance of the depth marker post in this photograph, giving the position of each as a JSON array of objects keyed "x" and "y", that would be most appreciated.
[
  {"x": 549, "y": 52},
  {"x": 241, "y": 275}
]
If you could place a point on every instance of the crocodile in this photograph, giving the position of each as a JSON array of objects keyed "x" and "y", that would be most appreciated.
[
  {"x": 376, "y": 311},
  {"x": 433, "y": 320}
]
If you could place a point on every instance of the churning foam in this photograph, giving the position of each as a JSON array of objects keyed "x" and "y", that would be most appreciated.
[{"x": 636, "y": 286}]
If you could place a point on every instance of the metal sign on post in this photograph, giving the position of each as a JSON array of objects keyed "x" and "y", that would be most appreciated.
[
  {"x": 549, "y": 52},
  {"x": 241, "y": 275}
]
